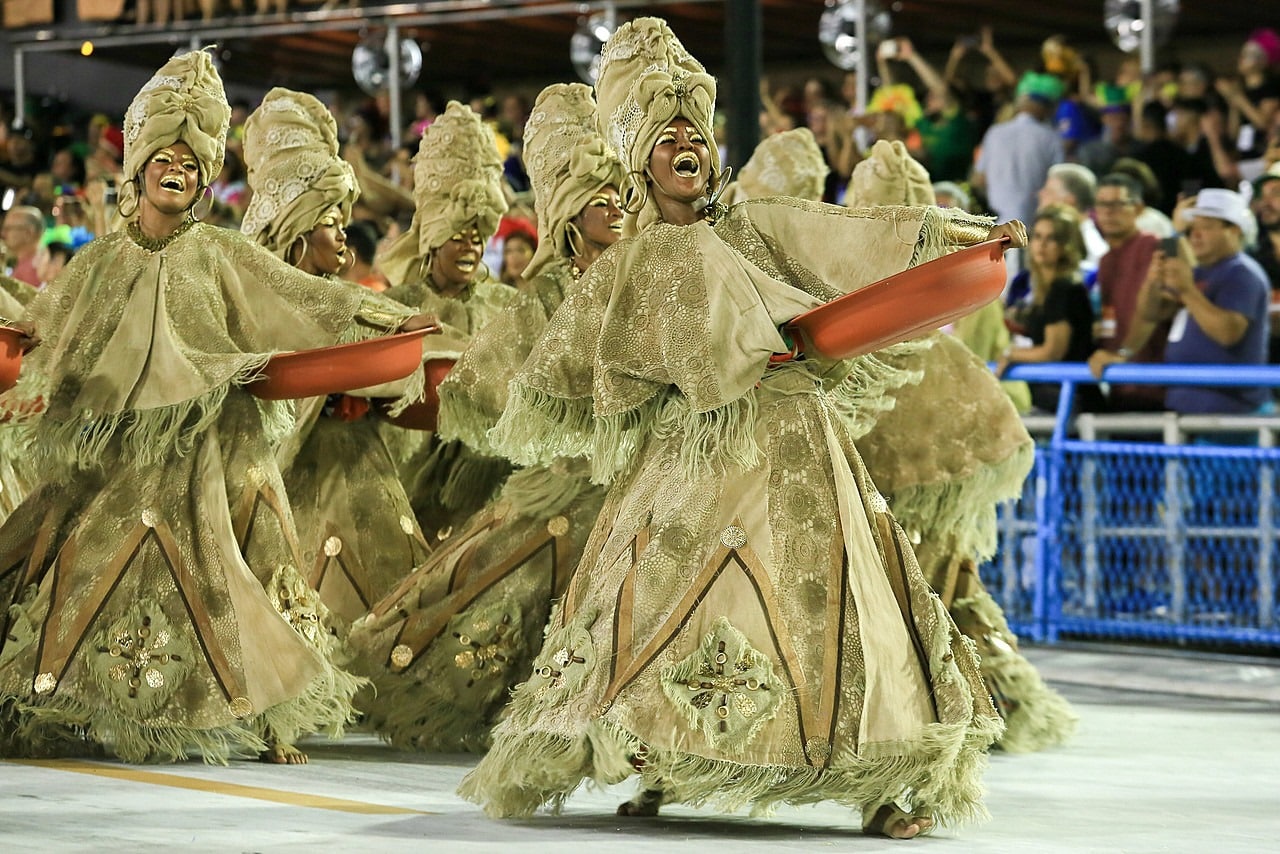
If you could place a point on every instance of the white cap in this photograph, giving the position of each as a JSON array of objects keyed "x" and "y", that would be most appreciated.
[{"x": 1226, "y": 205}]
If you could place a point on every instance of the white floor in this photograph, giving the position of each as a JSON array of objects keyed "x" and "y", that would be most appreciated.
[{"x": 1155, "y": 769}]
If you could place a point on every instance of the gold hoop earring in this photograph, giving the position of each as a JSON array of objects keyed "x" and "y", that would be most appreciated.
[
  {"x": 636, "y": 187},
  {"x": 570, "y": 230},
  {"x": 718, "y": 183},
  {"x": 135, "y": 196},
  {"x": 206, "y": 199},
  {"x": 301, "y": 255},
  {"x": 424, "y": 267}
]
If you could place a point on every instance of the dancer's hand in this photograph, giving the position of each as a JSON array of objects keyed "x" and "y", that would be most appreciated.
[
  {"x": 29, "y": 340},
  {"x": 428, "y": 322},
  {"x": 1014, "y": 230}
]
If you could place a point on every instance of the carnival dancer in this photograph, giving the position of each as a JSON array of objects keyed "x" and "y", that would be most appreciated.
[
  {"x": 949, "y": 451},
  {"x": 356, "y": 529},
  {"x": 435, "y": 267},
  {"x": 748, "y": 625},
  {"x": 136, "y": 623},
  {"x": 449, "y": 644}
]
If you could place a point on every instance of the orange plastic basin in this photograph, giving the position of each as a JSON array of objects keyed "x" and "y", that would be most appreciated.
[
  {"x": 425, "y": 414},
  {"x": 904, "y": 305},
  {"x": 326, "y": 370},
  {"x": 10, "y": 356}
]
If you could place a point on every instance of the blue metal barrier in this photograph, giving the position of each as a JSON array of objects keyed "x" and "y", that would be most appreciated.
[{"x": 1168, "y": 541}]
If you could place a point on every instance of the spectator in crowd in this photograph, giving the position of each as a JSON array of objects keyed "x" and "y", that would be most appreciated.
[
  {"x": 1123, "y": 332},
  {"x": 1016, "y": 154},
  {"x": 1073, "y": 118},
  {"x": 362, "y": 248},
  {"x": 1151, "y": 220},
  {"x": 50, "y": 259},
  {"x": 947, "y": 136},
  {"x": 1054, "y": 322},
  {"x": 22, "y": 229},
  {"x": 518, "y": 247},
  {"x": 1074, "y": 185},
  {"x": 986, "y": 102},
  {"x": 1197, "y": 130},
  {"x": 1253, "y": 98},
  {"x": 1266, "y": 210},
  {"x": 951, "y": 195},
  {"x": 1168, "y": 161},
  {"x": 1218, "y": 309},
  {"x": 1117, "y": 140}
]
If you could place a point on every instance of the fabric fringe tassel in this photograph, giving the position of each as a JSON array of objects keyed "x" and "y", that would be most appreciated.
[
  {"x": 1036, "y": 716},
  {"x": 940, "y": 774},
  {"x": 863, "y": 397},
  {"x": 962, "y": 512}
]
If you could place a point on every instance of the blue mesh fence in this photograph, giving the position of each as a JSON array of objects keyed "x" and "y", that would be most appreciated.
[{"x": 1173, "y": 543}]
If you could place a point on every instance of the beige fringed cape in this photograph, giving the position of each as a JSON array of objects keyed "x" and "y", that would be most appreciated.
[
  {"x": 447, "y": 482},
  {"x": 748, "y": 624},
  {"x": 448, "y": 645},
  {"x": 151, "y": 579}
]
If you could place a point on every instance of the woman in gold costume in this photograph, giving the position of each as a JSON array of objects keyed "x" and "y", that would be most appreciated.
[
  {"x": 356, "y": 530},
  {"x": 435, "y": 267},
  {"x": 154, "y": 606},
  {"x": 748, "y": 625},
  {"x": 449, "y": 644}
]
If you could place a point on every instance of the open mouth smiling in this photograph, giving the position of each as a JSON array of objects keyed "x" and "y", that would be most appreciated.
[
  {"x": 176, "y": 183},
  {"x": 686, "y": 165},
  {"x": 465, "y": 263}
]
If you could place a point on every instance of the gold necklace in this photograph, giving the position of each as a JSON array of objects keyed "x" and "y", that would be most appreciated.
[{"x": 155, "y": 244}]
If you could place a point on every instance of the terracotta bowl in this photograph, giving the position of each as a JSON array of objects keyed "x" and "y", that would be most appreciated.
[
  {"x": 326, "y": 370},
  {"x": 10, "y": 356},
  {"x": 424, "y": 415},
  {"x": 904, "y": 305}
]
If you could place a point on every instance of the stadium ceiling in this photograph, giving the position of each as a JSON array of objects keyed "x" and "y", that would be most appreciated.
[{"x": 478, "y": 43}]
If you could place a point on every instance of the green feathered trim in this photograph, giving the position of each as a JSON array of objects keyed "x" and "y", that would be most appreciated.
[
  {"x": 962, "y": 512},
  {"x": 1037, "y": 717},
  {"x": 326, "y": 707},
  {"x": 939, "y": 774},
  {"x": 415, "y": 391}
]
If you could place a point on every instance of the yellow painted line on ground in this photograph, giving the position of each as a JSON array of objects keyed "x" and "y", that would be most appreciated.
[{"x": 156, "y": 778}]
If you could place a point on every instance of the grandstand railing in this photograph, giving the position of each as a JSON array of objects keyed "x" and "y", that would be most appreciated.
[{"x": 1151, "y": 527}]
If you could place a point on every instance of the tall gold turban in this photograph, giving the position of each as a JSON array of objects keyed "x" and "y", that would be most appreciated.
[
  {"x": 291, "y": 150},
  {"x": 889, "y": 176},
  {"x": 785, "y": 164},
  {"x": 183, "y": 101},
  {"x": 457, "y": 183},
  {"x": 647, "y": 79},
  {"x": 568, "y": 162}
]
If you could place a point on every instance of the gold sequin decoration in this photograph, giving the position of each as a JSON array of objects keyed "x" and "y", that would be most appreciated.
[
  {"x": 401, "y": 656},
  {"x": 154, "y": 678},
  {"x": 733, "y": 537},
  {"x": 332, "y": 546},
  {"x": 149, "y": 517},
  {"x": 240, "y": 708},
  {"x": 45, "y": 683},
  {"x": 819, "y": 749},
  {"x": 878, "y": 504},
  {"x": 406, "y": 525},
  {"x": 558, "y": 526}
]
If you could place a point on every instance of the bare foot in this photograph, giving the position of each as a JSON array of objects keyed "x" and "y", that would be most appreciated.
[
  {"x": 643, "y": 805},
  {"x": 283, "y": 754},
  {"x": 892, "y": 822}
]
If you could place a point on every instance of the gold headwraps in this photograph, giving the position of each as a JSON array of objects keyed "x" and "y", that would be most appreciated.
[
  {"x": 568, "y": 162},
  {"x": 457, "y": 183},
  {"x": 291, "y": 151},
  {"x": 785, "y": 164},
  {"x": 889, "y": 176},
  {"x": 183, "y": 101},
  {"x": 647, "y": 79}
]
